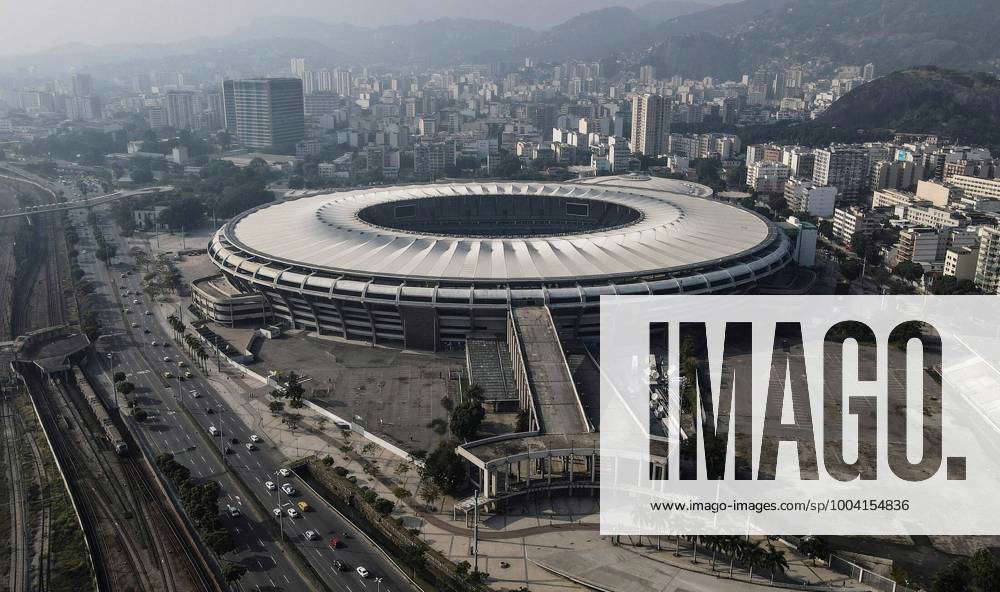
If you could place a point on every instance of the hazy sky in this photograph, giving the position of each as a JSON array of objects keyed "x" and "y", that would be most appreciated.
[{"x": 27, "y": 26}]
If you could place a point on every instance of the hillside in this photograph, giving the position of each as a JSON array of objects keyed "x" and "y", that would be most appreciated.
[
  {"x": 962, "y": 106},
  {"x": 893, "y": 34}
]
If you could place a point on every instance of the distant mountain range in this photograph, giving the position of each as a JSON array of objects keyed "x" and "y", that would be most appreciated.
[{"x": 690, "y": 38}]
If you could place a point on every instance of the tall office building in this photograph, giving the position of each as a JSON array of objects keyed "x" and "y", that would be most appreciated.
[
  {"x": 844, "y": 167},
  {"x": 650, "y": 124},
  {"x": 298, "y": 66},
  {"x": 180, "y": 109},
  {"x": 267, "y": 111},
  {"x": 83, "y": 85},
  {"x": 229, "y": 105}
]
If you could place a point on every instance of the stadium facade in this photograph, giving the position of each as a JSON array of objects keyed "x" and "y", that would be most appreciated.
[{"x": 424, "y": 266}]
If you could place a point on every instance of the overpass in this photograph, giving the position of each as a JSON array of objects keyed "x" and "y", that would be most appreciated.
[{"x": 77, "y": 203}]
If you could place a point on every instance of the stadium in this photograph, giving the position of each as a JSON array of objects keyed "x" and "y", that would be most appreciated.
[{"x": 425, "y": 266}]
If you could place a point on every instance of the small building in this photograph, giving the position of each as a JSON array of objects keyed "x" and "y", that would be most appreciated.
[{"x": 220, "y": 301}]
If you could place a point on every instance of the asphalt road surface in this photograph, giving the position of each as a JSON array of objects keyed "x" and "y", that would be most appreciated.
[{"x": 170, "y": 429}]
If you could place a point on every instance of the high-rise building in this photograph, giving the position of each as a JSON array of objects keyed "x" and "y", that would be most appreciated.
[
  {"x": 988, "y": 264},
  {"x": 432, "y": 159},
  {"x": 83, "y": 85},
  {"x": 845, "y": 167},
  {"x": 650, "y": 124},
  {"x": 180, "y": 110},
  {"x": 229, "y": 105},
  {"x": 83, "y": 107},
  {"x": 646, "y": 74},
  {"x": 268, "y": 111},
  {"x": 298, "y": 67},
  {"x": 869, "y": 72}
]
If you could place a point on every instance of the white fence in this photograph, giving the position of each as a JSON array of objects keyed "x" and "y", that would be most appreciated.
[{"x": 865, "y": 576}]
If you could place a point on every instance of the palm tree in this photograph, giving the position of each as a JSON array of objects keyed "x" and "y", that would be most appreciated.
[
  {"x": 774, "y": 559},
  {"x": 694, "y": 548},
  {"x": 753, "y": 555}
]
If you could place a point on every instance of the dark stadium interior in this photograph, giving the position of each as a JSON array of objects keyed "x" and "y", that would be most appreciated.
[{"x": 500, "y": 215}]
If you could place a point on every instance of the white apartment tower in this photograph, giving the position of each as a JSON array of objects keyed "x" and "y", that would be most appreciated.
[{"x": 650, "y": 124}]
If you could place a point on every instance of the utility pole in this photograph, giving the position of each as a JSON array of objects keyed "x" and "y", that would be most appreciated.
[{"x": 475, "y": 530}]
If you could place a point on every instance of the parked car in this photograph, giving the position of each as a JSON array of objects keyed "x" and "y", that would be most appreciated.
[
  {"x": 292, "y": 513},
  {"x": 270, "y": 486},
  {"x": 288, "y": 489},
  {"x": 233, "y": 511},
  {"x": 284, "y": 472},
  {"x": 304, "y": 506},
  {"x": 362, "y": 572},
  {"x": 276, "y": 512},
  {"x": 254, "y": 438}
]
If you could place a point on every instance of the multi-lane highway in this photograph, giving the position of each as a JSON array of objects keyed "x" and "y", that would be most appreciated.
[{"x": 181, "y": 413}]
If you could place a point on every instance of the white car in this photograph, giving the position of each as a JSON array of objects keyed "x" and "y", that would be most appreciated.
[
  {"x": 362, "y": 572},
  {"x": 135, "y": 301},
  {"x": 153, "y": 342},
  {"x": 195, "y": 395},
  {"x": 276, "y": 512},
  {"x": 147, "y": 313},
  {"x": 310, "y": 535},
  {"x": 288, "y": 489},
  {"x": 251, "y": 447},
  {"x": 135, "y": 325},
  {"x": 284, "y": 472},
  {"x": 269, "y": 485},
  {"x": 166, "y": 358},
  {"x": 292, "y": 513},
  {"x": 254, "y": 438}
]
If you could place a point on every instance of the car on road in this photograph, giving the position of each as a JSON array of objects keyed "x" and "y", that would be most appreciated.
[
  {"x": 188, "y": 375},
  {"x": 284, "y": 472},
  {"x": 153, "y": 342},
  {"x": 276, "y": 512},
  {"x": 166, "y": 358},
  {"x": 123, "y": 276},
  {"x": 341, "y": 566},
  {"x": 304, "y": 506},
  {"x": 168, "y": 375},
  {"x": 147, "y": 313},
  {"x": 194, "y": 394},
  {"x": 135, "y": 301},
  {"x": 213, "y": 430},
  {"x": 335, "y": 543},
  {"x": 310, "y": 535},
  {"x": 233, "y": 511},
  {"x": 254, "y": 438},
  {"x": 250, "y": 446},
  {"x": 135, "y": 325},
  {"x": 182, "y": 364},
  {"x": 292, "y": 513},
  {"x": 362, "y": 572},
  {"x": 289, "y": 490},
  {"x": 270, "y": 486}
]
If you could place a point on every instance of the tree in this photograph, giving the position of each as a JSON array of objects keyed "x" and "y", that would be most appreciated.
[
  {"x": 467, "y": 416},
  {"x": 233, "y": 572},
  {"x": 445, "y": 468},
  {"x": 850, "y": 269},
  {"x": 909, "y": 270},
  {"x": 276, "y": 407},
  {"x": 814, "y": 548},
  {"x": 774, "y": 560},
  {"x": 384, "y": 506},
  {"x": 119, "y": 377},
  {"x": 124, "y": 387},
  {"x": 141, "y": 415}
]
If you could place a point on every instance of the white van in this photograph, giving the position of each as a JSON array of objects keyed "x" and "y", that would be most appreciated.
[{"x": 213, "y": 430}]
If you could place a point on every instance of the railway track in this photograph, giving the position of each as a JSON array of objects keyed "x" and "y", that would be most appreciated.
[
  {"x": 18, "y": 575},
  {"x": 40, "y": 562}
]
